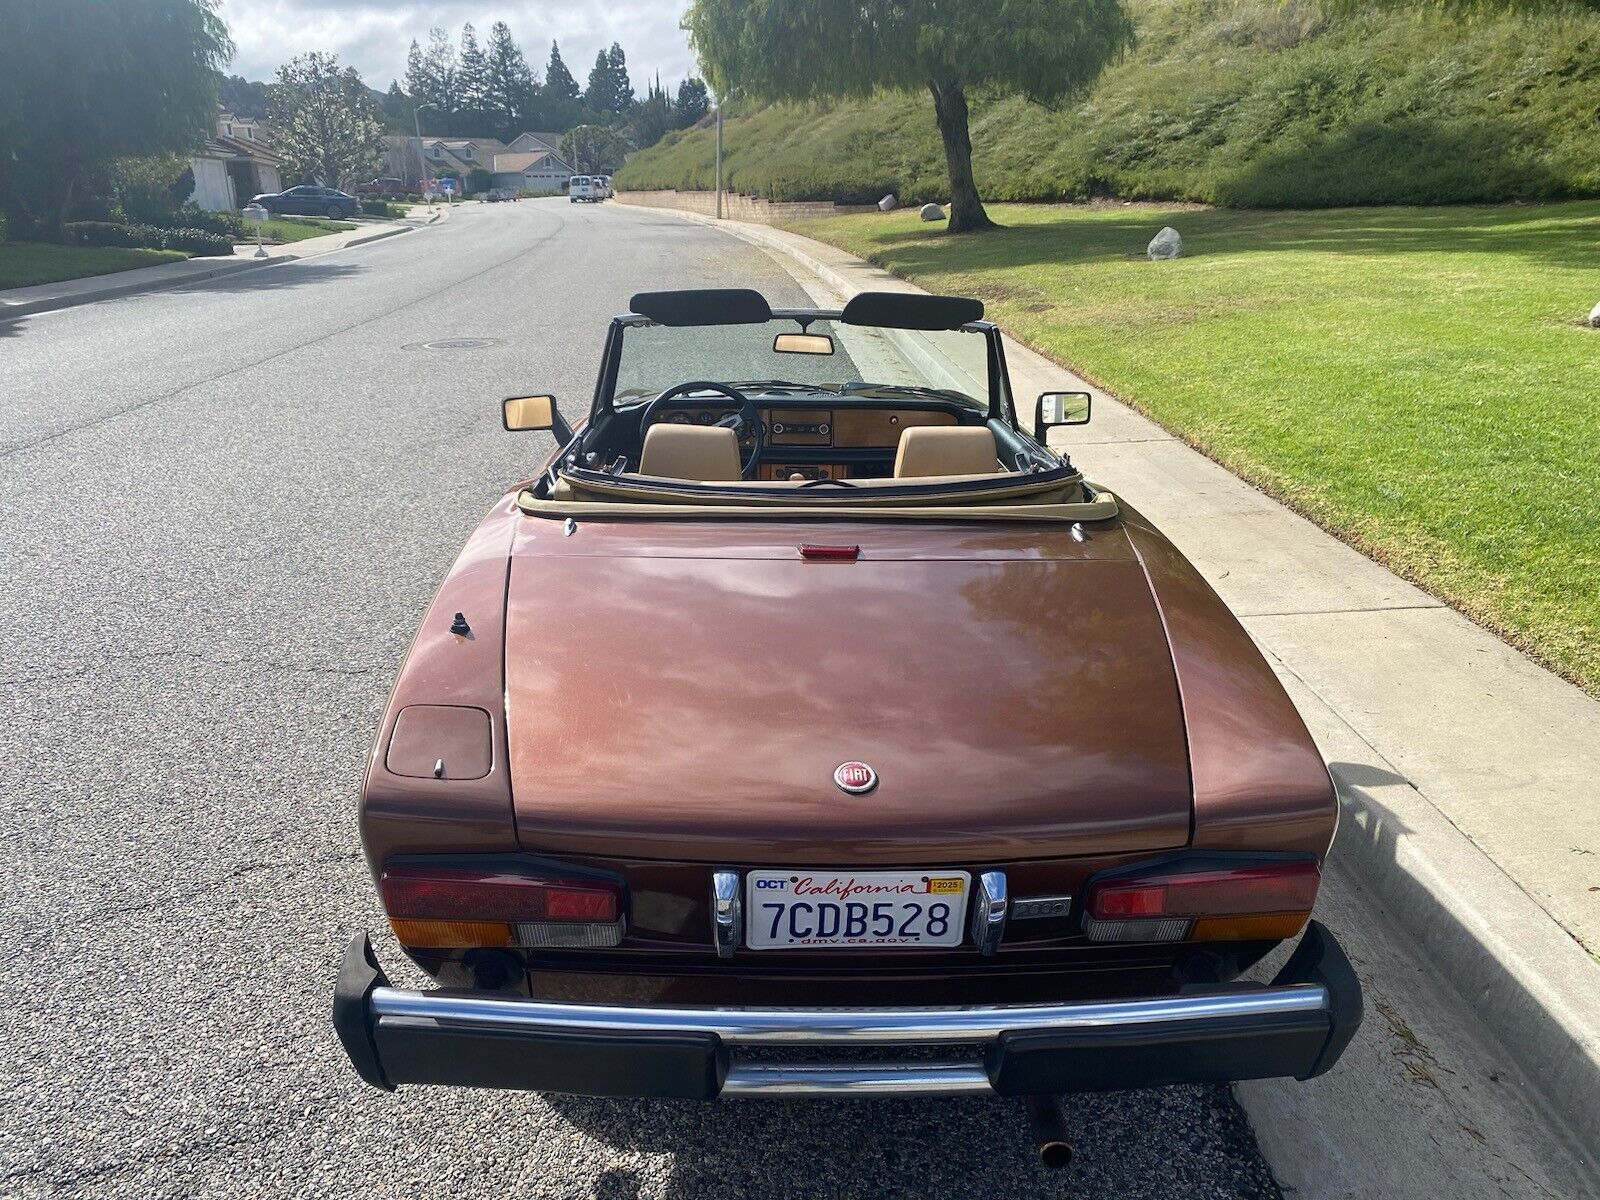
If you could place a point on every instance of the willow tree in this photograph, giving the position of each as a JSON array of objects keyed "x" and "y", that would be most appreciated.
[{"x": 1048, "y": 50}]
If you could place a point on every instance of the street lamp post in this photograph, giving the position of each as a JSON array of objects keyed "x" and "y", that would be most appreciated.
[
  {"x": 719, "y": 158},
  {"x": 416, "y": 126}
]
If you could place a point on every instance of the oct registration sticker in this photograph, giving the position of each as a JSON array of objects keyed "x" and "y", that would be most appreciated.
[{"x": 801, "y": 908}]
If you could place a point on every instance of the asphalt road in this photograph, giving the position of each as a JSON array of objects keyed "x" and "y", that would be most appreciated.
[{"x": 224, "y": 509}]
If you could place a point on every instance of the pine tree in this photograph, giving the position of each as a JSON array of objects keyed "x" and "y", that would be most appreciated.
[
  {"x": 558, "y": 81},
  {"x": 601, "y": 94},
  {"x": 511, "y": 94},
  {"x": 439, "y": 68},
  {"x": 621, "y": 86},
  {"x": 472, "y": 74}
]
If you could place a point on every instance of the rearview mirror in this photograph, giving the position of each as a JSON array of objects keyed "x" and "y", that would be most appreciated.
[
  {"x": 523, "y": 413},
  {"x": 1060, "y": 408},
  {"x": 803, "y": 343}
]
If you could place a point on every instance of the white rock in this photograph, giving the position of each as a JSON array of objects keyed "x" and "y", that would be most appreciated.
[
  {"x": 887, "y": 203},
  {"x": 931, "y": 212},
  {"x": 1594, "y": 317},
  {"x": 1166, "y": 244}
]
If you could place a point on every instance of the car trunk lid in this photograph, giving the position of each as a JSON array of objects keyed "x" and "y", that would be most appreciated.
[{"x": 686, "y": 691}]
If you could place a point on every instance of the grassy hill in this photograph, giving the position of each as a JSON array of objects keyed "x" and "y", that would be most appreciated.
[{"x": 1250, "y": 103}]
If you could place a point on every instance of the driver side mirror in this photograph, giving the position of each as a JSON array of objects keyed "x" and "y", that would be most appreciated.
[
  {"x": 534, "y": 413},
  {"x": 1059, "y": 408}
]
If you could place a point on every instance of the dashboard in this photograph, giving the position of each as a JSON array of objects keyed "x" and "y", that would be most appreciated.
[{"x": 813, "y": 432}]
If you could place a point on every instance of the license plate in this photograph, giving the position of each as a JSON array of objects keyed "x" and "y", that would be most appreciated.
[{"x": 791, "y": 909}]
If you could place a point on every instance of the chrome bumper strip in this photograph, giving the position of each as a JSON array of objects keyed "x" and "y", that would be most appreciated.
[
  {"x": 845, "y": 1027},
  {"x": 779, "y": 1080}
]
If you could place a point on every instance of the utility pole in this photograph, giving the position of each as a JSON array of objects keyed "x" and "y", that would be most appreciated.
[{"x": 719, "y": 158}]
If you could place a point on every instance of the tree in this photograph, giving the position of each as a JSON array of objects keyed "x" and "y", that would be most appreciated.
[
  {"x": 243, "y": 97},
  {"x": 511, "y": 92},
  {"x": 601, "y": 94},
  {"x": 652, "y": 116},
  {"x": 327, "y": 124},
  {"x": 439, "y": 75},
  {"x": 472, "y": 74},
  {"x": 84, "y": 82},
  {"x": 692, "y": 102},
  {"x": 621, "y": 85},
  {"x": 558, "y": 81},
  {"x": 1045, "y": 49},
  {"x": 593, "y": 149}
]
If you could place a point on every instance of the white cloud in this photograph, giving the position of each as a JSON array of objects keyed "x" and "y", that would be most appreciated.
[{"x": 374, "y": 36}]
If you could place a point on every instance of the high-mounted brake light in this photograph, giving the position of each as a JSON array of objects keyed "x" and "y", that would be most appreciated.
[
  {"x": 449, "y": 905},
  {"x": 1203, "y": 901}
]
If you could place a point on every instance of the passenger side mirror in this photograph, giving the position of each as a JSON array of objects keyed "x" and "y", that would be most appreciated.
[
  {"x": 1059, "y": 408},
  {"x": 523, "y": 413}
]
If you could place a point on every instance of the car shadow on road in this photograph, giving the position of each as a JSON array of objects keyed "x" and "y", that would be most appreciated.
[{"x": 1173, "y": 1143}]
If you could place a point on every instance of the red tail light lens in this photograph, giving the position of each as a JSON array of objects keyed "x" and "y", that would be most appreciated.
[
  {"x": 451, "y": 904},
  {"x": 1203, "y": 902},
  {"x": 453, "y": 893}
]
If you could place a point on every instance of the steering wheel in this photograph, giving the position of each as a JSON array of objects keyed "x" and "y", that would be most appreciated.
[{"x": 746, "y": 420}]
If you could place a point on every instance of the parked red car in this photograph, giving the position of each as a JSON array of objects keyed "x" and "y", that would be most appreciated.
[
  {"x": 805, "y": 698},
  {"x": 385, "y": 186}
]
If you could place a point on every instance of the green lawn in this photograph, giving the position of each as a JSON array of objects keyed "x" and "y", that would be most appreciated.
[
  {"x": 1417, "y": 380},
  {"x": 23, "y": 264},
  {"x": 297, "y": 229}
]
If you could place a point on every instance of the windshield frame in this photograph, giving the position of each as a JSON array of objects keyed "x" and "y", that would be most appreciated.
[{"x": 1001, "y": 405}]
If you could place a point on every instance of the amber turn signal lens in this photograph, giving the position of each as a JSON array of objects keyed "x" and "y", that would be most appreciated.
[
  {"x": 450, "y": 935},
  {"x": 1266, "y": 927}
]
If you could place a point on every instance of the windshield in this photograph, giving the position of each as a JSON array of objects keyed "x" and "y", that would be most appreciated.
[{"x": 865, "y": 361}]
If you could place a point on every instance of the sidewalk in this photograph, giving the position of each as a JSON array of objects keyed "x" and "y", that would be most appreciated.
[
  {"x": 66, "y": 293},
  {"x": 1469, "y": 777}
]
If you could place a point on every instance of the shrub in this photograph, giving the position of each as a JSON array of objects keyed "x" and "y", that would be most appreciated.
[
  {"x": 197, "y": 242},
  {"x": 223, "y": 224},
  {"x": 114, "y": 233},
  {"x": 381, "y": 208}
]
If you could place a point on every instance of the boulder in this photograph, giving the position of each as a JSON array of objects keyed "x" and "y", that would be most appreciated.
[
  {"x": 1594, "y": 317},
  {"x": 931, "y": 212},
  {"x": 1166, "y": 244},
  {"x": 887, "y": 203}
]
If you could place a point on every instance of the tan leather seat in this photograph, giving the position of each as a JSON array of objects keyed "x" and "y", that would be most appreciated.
[
  {"x": 706, "y": 453},
  {"x": 946, "y": 450}
]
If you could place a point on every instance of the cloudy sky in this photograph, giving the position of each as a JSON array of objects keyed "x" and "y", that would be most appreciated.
[{"x": 374, "y": 35}]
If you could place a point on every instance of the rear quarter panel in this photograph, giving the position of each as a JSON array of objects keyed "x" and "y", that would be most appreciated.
[{"x": 1260, "y": 782}]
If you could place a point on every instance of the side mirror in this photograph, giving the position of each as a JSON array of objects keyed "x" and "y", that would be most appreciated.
[
  {"x": 523, "y": 413},
  {"x": 1059, "y": 408}
]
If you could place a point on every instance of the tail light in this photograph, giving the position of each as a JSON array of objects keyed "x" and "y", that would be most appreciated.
[
  {"x": 457, "y": 905},
  {"x": 1202, "y": 900}
]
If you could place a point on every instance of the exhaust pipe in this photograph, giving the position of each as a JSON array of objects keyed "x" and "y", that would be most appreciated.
[{"x": 1049, "y": 1130}]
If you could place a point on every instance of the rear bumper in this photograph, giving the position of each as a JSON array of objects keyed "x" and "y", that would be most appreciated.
[{"x": 1297, "y": 1027}]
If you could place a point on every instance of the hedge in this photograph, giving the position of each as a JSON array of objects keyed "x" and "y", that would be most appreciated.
[{"x": 197, "y": 242}]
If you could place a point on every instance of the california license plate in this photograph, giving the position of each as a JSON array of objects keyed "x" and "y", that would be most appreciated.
[{"x": 791, "y": 909}]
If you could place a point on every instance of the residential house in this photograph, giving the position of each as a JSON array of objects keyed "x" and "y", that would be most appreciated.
[
  {"x": 537, "y": 171},
  {"x": 460, "y": 157},
  {"x": 528, "y": 143},
  {"x": 234, "y": 164}
]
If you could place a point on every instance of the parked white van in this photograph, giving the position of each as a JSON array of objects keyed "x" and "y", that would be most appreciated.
[{"x": 585, "y": 187}]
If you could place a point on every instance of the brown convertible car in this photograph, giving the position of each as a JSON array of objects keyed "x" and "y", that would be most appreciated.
[{"x": 807, "y": 701}]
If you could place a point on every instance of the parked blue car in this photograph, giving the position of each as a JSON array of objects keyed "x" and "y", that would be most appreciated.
[{"x": 310, "y": 201}]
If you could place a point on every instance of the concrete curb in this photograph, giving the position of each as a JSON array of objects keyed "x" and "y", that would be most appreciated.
[
  {"x": 223, "y": 268},
  {"x": 1524, "y": 976}
]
